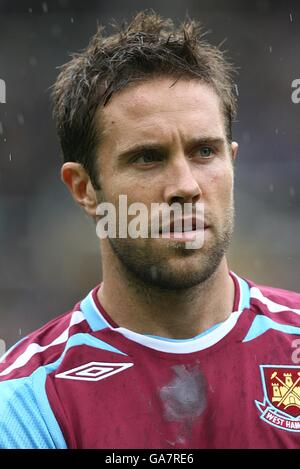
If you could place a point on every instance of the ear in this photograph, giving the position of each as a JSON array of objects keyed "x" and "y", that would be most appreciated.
[
  {"x": 79, "y": 184},
  {"x": 234, "y": 149}
]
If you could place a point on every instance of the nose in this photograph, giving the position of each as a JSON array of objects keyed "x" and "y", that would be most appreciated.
[{"x": 182, "y": 185}]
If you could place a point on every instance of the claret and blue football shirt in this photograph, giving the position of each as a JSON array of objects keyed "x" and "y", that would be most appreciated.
[{"x": 81, "y": 381}]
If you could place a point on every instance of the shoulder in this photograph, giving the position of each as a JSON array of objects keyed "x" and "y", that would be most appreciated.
[
  {"x": 273, "y": 310},
  {"x": 274, "y": 299},
  {"x": 42, "y": 346},
  {"x": 26, "y": 417}
]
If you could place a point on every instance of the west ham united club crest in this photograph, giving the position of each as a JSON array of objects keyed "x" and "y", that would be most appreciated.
[{"x": 281, "y": 387}]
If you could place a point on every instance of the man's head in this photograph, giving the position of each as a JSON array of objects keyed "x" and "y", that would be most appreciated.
[
  {"x": 147, "y": 47},
  {"x": 147, "y": 113}
]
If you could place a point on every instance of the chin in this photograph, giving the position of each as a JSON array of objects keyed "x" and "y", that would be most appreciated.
[{"x": 179, "y": 277}]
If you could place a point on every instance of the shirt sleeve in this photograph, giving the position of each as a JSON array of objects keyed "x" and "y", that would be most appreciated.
[{"x": 26, "y": 418}]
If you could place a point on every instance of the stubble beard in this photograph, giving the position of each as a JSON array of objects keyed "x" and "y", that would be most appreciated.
[{"x": 148, "y": 267}]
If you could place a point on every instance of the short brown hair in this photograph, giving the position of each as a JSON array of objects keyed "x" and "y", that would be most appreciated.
[{"x": 148, "y": 46}]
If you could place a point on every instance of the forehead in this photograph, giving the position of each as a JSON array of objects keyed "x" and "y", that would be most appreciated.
[{"x": 161, "y": 109}]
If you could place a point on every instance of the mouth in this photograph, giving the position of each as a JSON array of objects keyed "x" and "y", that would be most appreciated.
[{"x": 184, "y": 229}]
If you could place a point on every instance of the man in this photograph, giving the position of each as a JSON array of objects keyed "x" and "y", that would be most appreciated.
[{"x": 172, "y": 349}]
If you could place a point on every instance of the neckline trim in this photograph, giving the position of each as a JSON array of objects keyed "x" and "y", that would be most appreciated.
[{"x": 98, "y": 319}]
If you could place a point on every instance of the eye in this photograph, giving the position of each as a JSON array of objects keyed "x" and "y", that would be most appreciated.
[
  {"x": 148, "y": 156},
  {"x": 205, "y": 152}
]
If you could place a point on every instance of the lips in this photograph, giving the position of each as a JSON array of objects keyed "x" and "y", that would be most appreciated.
[{"x": 184, "y": 225}]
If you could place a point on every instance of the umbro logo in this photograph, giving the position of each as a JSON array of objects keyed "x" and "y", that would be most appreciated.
[{"x": 94, "y": 371}]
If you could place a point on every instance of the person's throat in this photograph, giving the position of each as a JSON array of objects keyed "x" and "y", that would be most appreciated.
[{"x": 177, "y": 315}]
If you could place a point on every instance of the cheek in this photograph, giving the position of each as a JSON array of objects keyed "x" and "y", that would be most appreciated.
[
  {"x": 221, "y": 179},
  {"x": 135, "y": 190},
  {"x": 220, "y": 188}
]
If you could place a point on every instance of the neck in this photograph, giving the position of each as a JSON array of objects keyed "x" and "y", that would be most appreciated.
[{"x": 177, "y": 314}]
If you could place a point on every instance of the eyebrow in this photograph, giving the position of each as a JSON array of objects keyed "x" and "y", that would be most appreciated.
[{"x": 194, "y": 142}]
